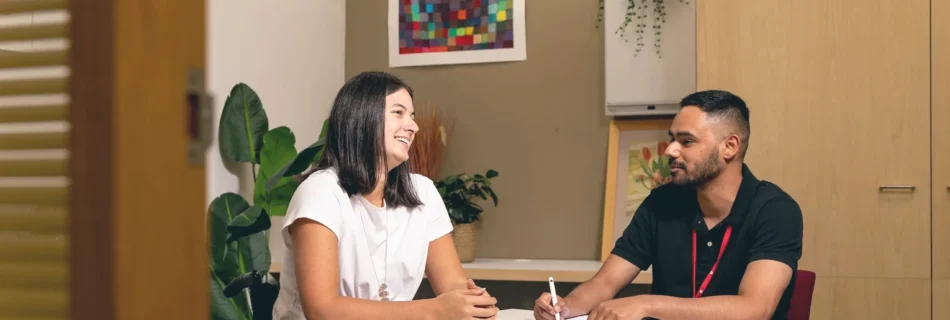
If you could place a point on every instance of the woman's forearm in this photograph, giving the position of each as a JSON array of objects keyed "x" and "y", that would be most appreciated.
[{"x": 352, "y": 308}]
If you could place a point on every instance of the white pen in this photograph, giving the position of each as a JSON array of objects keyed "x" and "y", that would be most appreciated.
[{"x": 557, "y": 315}]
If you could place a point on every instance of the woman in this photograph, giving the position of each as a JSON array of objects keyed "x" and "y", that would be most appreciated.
[{"x": 361, "y": 231}]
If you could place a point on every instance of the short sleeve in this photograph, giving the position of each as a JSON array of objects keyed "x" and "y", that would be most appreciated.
[
  {"x": 317, "y": 199},
  {"x": 637, "y": 241},
  {"x": 438, "y": 217},
  {"x": 777, "y": 233}
]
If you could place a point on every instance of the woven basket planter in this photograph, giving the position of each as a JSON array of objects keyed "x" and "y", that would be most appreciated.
[{"x": 465, "y": 236}]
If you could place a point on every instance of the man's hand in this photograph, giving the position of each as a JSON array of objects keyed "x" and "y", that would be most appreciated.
[
  {"x": 624, "y": 308},
  {"x": 544, "y": 310}
]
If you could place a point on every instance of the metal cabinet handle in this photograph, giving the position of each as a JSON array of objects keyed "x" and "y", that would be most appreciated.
[{"x": 898, "y": 187}]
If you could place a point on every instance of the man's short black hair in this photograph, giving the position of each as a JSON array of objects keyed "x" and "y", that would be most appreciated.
[{"x": 723, "y": 105}]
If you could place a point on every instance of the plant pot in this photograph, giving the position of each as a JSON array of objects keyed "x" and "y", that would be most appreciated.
[{"x": 465, "y": 236}]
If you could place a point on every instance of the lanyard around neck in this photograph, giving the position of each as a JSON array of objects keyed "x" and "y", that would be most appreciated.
[{"x": 722, "y": 248}]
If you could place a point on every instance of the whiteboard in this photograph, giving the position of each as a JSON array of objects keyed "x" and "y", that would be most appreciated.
[{"x": 647, "y": 83}]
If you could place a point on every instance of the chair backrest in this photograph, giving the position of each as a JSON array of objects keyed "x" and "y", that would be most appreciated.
[{"x": 800, "y": 306}]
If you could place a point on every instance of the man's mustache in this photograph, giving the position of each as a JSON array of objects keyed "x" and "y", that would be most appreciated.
[{"x": 674, "y": 164}]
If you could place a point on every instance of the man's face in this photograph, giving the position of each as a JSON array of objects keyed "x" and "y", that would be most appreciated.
[{"x": 694, "y": 149}]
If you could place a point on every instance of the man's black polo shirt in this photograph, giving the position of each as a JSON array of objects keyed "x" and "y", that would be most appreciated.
[{"x": 766, "y": 222}]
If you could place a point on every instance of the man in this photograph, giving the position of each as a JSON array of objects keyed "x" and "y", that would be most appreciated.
[{"x": 723, "y": 244}]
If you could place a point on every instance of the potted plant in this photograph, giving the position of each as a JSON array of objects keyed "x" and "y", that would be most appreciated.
[
  {"x": 238, "y": 229},
  {"x": 640, "y": 12},
  {"x": 458, "y": 192}
]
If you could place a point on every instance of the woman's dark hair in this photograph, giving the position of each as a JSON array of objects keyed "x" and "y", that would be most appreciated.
[{"x": 355, "y": 145}]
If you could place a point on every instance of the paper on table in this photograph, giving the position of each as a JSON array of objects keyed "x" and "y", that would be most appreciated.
[{"x": 519, "y": 314}]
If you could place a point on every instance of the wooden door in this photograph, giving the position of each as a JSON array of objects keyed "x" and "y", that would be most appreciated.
[
  {"x": 839, "y": 92},
  {"x": 102, "y": 208},
  {"x": 940, "y": 120},
  {"x": 138, "y": 197}
]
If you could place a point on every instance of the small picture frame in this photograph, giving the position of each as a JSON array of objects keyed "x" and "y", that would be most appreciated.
[{"x": 635, "y": 165}]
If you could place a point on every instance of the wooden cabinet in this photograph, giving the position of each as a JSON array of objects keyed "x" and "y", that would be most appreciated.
[
  {"x": 842, "y": 119},
  {"x": 940, "y": 140}
]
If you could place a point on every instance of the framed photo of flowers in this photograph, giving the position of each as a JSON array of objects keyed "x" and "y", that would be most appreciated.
[{"x": 635, "y": 165}]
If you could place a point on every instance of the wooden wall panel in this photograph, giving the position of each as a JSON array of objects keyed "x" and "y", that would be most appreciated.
[
  {"x": 865, "y": 298},
  {"x": 840, "y": 104},
  {"x": 941, "y": 299},
  {"x": 940, "y": 127}
]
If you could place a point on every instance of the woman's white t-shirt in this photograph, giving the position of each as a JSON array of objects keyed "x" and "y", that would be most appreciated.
[{"x": 362, "y": 232}]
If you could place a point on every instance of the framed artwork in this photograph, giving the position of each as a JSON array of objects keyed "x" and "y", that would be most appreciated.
[
  {"x": 439, "y": 32},
  {"x": 635, "y": 165}
]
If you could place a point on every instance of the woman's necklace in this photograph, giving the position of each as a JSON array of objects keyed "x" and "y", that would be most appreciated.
[{"x": 383, "y": 292}]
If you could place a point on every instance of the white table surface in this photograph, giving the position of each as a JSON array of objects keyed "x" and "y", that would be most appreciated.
[{"x": 519, "y": 314}]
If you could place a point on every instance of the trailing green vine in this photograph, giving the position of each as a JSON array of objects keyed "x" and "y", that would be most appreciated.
[{"x": 639, "y": 12}]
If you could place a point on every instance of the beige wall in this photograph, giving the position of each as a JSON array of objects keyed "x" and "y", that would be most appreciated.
[
  {"x": 539, "y": 122},
  {"x": 294, "y": 63}
]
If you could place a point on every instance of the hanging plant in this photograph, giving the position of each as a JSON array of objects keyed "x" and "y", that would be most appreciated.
[{"x": 639, "y": 12}]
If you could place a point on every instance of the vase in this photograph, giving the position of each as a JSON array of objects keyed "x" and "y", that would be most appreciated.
[{"x": 464, "y": 235}]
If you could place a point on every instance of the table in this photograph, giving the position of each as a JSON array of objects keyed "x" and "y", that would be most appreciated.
[
  {"x": 519, "y": 314},
  {"x": 532, "y": 270}
]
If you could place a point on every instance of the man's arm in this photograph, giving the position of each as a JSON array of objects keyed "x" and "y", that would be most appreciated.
[
  {"x": 614, "y": 275},
  {"x": 759, "y": 293}
]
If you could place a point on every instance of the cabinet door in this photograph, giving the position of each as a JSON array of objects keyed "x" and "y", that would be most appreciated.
[
  {"x": 839, "y": 92},
  {"x": 940, "y": 120}
]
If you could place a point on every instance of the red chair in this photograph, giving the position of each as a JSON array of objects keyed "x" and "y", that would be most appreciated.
[{"x": 800, "y": 305}]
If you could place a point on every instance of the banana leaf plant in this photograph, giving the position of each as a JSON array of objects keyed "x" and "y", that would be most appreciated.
[{"x": 238, "y": 229}]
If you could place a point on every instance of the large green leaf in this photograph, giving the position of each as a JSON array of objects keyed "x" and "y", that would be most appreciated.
[
  {"x": 224, "y": 308},
  {"x": 243, "y": 125},
  {"x": 302, "y": 161},
  {"x": 252, "y": 220},
  {"x": 225, "y": 256},
  {"x": 256, "y": 252},
  {"x": 278, "y": 151},
  {"x": 230, "y": 260},
  {"x": 278, "y": 198}
]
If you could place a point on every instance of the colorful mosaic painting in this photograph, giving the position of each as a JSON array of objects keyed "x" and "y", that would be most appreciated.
[{"x": 455, "y": 25}]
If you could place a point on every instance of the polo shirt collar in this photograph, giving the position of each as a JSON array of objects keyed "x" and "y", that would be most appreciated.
[
  {"x": 742, "y": 203},
  {"x": 743, "y": 198}
]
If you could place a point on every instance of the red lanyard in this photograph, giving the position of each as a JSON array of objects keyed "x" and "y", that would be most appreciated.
[{"x": 722, "y": 248}]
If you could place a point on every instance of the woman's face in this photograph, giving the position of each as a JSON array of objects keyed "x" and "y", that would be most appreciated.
[{"x": 400, "y": 128}]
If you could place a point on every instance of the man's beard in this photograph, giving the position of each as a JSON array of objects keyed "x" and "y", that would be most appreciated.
[{"x": 704, "y": 172}]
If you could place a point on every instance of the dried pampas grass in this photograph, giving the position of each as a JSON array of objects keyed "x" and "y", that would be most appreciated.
[{"x": 428, "y": 147}]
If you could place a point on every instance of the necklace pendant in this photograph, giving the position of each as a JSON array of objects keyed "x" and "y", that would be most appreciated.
[{"x": 383, "y": 293}]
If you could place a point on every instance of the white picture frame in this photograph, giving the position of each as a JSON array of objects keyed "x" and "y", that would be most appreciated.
[{"x": 517, "y": 52}]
